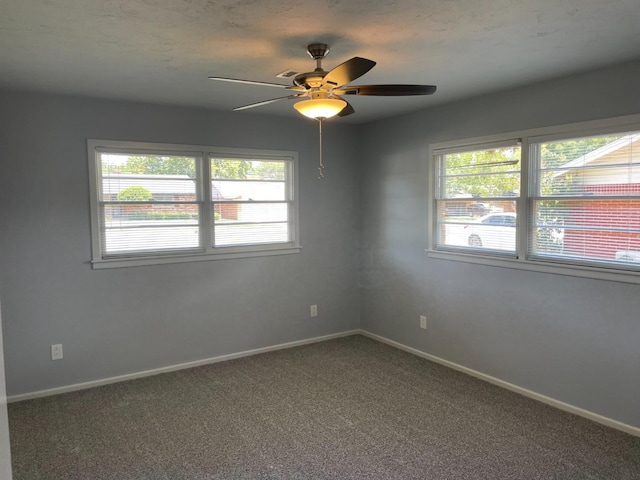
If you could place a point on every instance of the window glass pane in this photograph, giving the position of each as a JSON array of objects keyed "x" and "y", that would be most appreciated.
[
  {"x": 148, "y": 178},
  {"x": 467, "y": 209},
  {"x": 251, "y": 234},
  {"x": 250, "y": 212},
  {"x": 481, "y": 173},
  {"x": 248, "y": 169},
  {"x": 242, "y": 224},
  {"x": 248, "y": 190},
  {"x": 603, "y": 230},
  {"x": 492, "y": 231},
  {"x": 141, "y": 213},
  {"x": 235, "y": 186},
  {"x": 477, "y": 199},
  {"x": 588, "y": 206},
  {"x": 605, "y": 165},
  {"x": 146, "y": 228}
]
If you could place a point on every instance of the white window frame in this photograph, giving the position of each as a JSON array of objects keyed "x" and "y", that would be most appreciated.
[
  {"x": 438, "y": 155},
  {"x": 522, "y": 261},
  {"x": 203, "y": 154}
]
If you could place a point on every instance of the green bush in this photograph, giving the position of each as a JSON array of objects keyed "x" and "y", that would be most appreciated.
[{"x": 135, "y": 194}]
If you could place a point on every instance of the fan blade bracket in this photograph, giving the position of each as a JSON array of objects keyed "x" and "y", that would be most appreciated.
[
  {"x": 267, "y": 102},
  {"x": 393, "y": 90},
  {"x": 252, "y": 82}
]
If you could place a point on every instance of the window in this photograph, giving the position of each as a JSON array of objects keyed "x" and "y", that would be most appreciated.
[
  {"x": 586, "y": 200},
  {"x": 477, "y": 195},
  {"x": 254, "y": 209},
  {"x": 158, "y": 203},
  {"x": 558, "y": 199}
]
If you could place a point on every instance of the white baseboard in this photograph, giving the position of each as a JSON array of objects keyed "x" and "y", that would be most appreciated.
[
  {"x": 609, "y": 422},
  {"x": 172, "y": 368}
]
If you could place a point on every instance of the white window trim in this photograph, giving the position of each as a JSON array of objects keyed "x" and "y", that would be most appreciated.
[
  {"x": 521, "y": 262},
  {"x": 204, "y": 153}
]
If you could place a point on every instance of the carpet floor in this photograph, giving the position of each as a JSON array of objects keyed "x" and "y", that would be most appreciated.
[{"x": 350, "y": 408}]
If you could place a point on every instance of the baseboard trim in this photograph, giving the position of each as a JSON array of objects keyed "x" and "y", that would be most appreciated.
[
  {"x": 172, "y": 368},
  {"x": 609, "y": 422}
]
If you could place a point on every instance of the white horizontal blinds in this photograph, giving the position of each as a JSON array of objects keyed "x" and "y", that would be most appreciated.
[
  {"x": 149, "y": 204},
  {"x": 586, "y": 200},
  {"x": 251, "y": 201},
  {"x": 477, "y": 191}
]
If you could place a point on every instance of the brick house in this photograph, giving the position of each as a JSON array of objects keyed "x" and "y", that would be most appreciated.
[{"x": 605, "y": 228}]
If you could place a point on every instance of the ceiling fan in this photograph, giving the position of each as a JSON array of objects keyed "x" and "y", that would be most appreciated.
[{"x": 324, "y": 90}]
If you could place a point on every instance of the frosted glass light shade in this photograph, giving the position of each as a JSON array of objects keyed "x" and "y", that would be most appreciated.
[{"x": 320, "y": 107}]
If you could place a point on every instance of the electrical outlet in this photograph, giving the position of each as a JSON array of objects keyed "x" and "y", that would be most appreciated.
[
  {"x": 423, "y": 322},
  {"x": 56, "y": 351},
  {"x": 314, "y": 310}
]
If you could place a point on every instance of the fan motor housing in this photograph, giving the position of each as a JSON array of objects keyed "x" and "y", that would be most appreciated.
[{"x": 309, "y": 79}]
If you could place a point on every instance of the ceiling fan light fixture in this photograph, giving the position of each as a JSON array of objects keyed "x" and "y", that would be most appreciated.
[{"x": 320, "y": 107}]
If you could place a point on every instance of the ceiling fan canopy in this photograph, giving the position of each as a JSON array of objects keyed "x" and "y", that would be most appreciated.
[{"x": 324, "y": 90}]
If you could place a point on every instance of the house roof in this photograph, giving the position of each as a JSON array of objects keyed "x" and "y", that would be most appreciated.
[{"x": 601, "y": 154}]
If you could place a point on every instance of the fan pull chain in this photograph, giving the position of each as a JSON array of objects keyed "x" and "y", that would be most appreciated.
[{"x": 321, "y": 165}]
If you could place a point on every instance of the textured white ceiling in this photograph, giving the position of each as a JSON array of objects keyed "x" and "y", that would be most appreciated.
[{"x": 164, "y": 50}]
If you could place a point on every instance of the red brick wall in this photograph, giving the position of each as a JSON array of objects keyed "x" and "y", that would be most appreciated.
[{"x": 608, "y": 213}]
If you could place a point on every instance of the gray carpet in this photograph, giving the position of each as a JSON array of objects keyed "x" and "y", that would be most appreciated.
[{"x": 350, "y": 408}]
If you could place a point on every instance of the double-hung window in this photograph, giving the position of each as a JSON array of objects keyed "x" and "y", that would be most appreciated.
[
  {"x": 477, "y": 197},
  {"x": 585, "y": 200},
  {"x": 559, "y": 199},
  {"x": 160, "y": 203}
]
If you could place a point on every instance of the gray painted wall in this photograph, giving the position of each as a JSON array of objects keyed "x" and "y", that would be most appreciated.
[
  {"x": 118, "y": 321},
  {"x": 573, "y": 339}
]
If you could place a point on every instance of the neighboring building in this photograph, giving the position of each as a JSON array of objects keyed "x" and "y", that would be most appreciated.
[
  {"x": 182, "y": 188},
  {"x": 612, "y": 170}
]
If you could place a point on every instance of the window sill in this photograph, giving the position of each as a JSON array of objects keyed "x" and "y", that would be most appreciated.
[
  {"x": 192, "y": 257},
  {"x": 608, "y": 274}
]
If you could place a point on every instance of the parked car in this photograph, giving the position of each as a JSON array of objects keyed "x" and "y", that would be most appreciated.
[
  {"x": 495, "y": 231},
  {"x": 628, "y": 256}
]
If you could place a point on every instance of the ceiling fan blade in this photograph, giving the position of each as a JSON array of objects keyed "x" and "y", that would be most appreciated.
[
  {"x": 266, "y": 102},
  {"x": 348, "y": 110},
  {"x": 347, "y": 72},
  {"x": 387, "y": 90},
  {"x": 250, "y": 82}
]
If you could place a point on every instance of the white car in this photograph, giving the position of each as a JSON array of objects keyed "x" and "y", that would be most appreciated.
[
  {"x": 495, "y": 231},
  {"x": 628, "y": 256}
]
